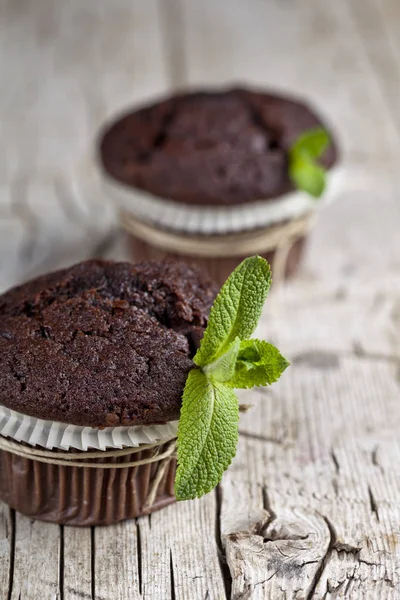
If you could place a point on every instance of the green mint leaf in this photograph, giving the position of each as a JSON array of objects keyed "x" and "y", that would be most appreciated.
[
  {"x": 207, "y": 435},
  {"x": 312, "y": 143},
  {"x": 304, "y": 170},
  {"x": 258, "y": 363},
  {"x": 223, "y": 368},
  {"x": 308, "y": 176},
  {"x": 236, "y": 309}
]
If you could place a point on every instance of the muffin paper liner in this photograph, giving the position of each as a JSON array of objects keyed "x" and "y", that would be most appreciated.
[
  {"x": 84, "y": 495},
  {"x": 53, "y": 434},
  {"x": 181, "y": 217},
  {"x": 85, "y": 488}
]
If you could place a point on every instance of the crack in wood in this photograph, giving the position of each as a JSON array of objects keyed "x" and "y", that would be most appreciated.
[
  {"x": 335, "y": 461},
  {"x": 347, "y": 548},
  {"x": 74, "y": 592},
  {"x": 244, "y": 408},
  {"x": 325, "y": 559},
  {"x": 321, "y": 359},
  {"x": 61, "y": 564},
  {"x": 373, "y": 503},
  {"x": 261, "y": 438},
  {"x": 347, "y": 587},
  {"x": 225, "y": 571},
  {"x": 172, "y": 576},
  {"x": 267, "y": 506},
  {"x": 330, "y": 359},
  {"x": 374, "y": 459},
  {"x": 139, "y": 555},
  {"x": 337, "y": 546},
  {"x": 360, "y": 352}
]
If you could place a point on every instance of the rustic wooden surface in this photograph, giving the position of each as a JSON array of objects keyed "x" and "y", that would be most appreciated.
[{"x": 311, "y": 505}]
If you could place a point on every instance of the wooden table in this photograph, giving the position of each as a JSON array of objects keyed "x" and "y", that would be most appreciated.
[{"x": 311, "y": 505}]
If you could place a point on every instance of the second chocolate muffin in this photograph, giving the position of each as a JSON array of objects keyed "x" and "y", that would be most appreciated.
[
  {"x": 204, "y": 176},
  {"x": 210, "y": 148}
]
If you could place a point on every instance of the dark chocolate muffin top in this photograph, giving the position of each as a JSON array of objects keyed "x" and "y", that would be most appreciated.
[
  {"x": 210, "y": 148},
  {"x": 102, "y": 343}
]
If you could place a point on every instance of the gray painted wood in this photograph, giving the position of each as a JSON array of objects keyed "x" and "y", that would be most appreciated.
[{"x": 310, "y": 506}]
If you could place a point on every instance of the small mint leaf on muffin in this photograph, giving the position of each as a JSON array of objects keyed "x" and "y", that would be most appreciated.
[
  {"x": 304, "y": 170},
  {"x": 226, "y": 359}
]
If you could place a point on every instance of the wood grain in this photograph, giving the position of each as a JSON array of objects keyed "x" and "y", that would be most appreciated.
[
  {"x": 116, "y": 562},
  {"x": 36, "y": 561},
  {"x": 76, "y": 576},
  {"x": 181, "y": 562}
]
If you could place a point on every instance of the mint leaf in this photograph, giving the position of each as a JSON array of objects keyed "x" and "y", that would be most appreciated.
[
  {"x": 236, "y": 309},
  {"x": 258, "y": 363},
  {"x": 312, "y": 143},
  {"x": 207, "y": 435},
  {"x": 304, "y": 170},
  {"x": 308, "y": 176},
  {"x": 223, "y": 368}
]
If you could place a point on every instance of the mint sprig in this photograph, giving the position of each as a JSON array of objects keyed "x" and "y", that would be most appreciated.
[
  {"x": 226, "y": 359},
  {"x": 305, "y": 171}
]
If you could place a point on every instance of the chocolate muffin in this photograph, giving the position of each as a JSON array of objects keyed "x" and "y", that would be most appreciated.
[
  {"x": 204, "y": 177},
  {"x": 97, "y": 345},
  {"x": 102, "y": 344},
  {"x": 210, "y": 148}
]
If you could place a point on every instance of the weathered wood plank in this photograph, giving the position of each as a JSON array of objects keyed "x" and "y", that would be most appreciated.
[
  {"x": 181, "y": 561},
  {"x": 36, "y": 561},
  {"x": 76, "y": 561},
  {"x": 328, "y": 520},
  {"x": 6, "y": 550},
  {"x": 116, "y": 562}
]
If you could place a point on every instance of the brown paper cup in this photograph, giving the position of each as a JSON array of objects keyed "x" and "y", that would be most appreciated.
[{"x": 73, "y": 495}]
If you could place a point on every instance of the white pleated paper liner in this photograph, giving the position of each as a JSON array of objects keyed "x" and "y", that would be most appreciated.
[
  {"x": 181, "y": 217},
  {"x": 52, "y": 434}
]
